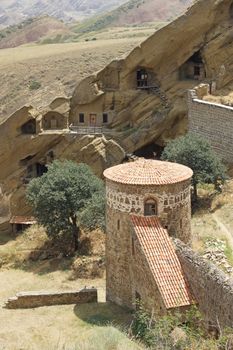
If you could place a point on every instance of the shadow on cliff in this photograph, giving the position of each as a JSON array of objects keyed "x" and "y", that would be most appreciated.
[{"x": 103, "y": 314}]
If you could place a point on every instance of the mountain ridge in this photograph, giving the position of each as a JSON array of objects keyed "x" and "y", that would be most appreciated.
[
  {"x": 15, "y": 11},
  {"x": 136, "y": 12}
]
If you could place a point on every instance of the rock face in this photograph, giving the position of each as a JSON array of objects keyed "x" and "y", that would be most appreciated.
[
  {"x": 26, "y": 148},
  {"x": 175, "y": 58},
  {"x": 141, "y": 99}
]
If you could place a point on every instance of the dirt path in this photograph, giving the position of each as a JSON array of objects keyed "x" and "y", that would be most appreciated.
[{"x": 224, "y": 229}]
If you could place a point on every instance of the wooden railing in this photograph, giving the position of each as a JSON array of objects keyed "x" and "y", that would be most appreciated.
[{"x": 89, "y": 130}]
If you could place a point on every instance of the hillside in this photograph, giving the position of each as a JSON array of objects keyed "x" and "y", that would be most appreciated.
[
  {"x": 136, "y": 12},
  {"x": 31, "y": 30},
  {"x": 55, "y": 68},
  {"x": 15, "y": 11},
  {"x": 136, "y": 18}
]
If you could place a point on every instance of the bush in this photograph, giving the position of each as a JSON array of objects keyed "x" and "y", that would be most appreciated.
[
  {"x": 196, "y": 153},
  {"x": 157, "y": 333},
  {"x": 34, "y": 85}
]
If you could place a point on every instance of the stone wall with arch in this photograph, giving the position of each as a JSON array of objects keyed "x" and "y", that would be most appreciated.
[
  {"x": 173, "y": 204},
  {"x": 54, "y": 120}
]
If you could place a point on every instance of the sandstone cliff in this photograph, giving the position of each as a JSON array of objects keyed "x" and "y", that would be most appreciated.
[{"x": 143, "y": 95}]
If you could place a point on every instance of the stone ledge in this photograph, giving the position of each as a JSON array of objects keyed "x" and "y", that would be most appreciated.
[{"x": 25, "y": 300}]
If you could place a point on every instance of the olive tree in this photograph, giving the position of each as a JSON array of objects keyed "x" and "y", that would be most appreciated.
[
  {"x": 196, "y": 153},
  {"x": 64, "y": 197}
]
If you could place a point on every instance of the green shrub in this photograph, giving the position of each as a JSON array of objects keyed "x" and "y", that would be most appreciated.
[{"x": 34, "y": 85}]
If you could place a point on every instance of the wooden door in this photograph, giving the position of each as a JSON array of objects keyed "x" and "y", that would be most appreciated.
[
  {"x": 54, "y": 123},
  {"x": 93, "y": 119}
]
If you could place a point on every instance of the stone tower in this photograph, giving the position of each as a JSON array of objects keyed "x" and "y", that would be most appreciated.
[{"x": 147, "y": 201}]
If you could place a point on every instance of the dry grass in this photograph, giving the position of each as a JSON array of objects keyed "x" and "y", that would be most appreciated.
[
  {"x": 215, "y": 218},
  {"x": 80, "y": 327},
  {"x": 56, "y": 67},
  {"x": 51, "y": 327}
]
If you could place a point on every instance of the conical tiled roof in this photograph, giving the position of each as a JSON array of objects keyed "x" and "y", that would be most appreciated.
[{"x": 148, "y": 172}]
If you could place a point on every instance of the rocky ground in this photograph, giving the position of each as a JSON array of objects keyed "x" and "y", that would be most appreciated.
[{"x": 215, "y": 251}]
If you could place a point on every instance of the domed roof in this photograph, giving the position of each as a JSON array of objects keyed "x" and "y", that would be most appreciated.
[{"x": 148, "y": 172}]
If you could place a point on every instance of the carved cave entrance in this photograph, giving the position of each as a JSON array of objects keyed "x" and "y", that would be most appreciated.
[
  {"x": 54, "y": 121},
  {"x": 35, "y": 170},
  {"x": 193, "y": 68},
  {"x": 142, "y": 78},
  {"x": 150, "y": 151},
  {"x": 29, "y": 127}
]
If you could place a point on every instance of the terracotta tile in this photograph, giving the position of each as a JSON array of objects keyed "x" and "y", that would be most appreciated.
[
  {"x": 163, "y": 261},
  {"x": 148, "y": 172}
]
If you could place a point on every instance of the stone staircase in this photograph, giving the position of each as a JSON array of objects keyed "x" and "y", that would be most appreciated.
[{"x": 161, "y": 94}]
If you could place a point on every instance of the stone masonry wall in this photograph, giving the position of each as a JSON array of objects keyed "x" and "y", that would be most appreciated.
[
  {"x": 127, "y": 271},
  {"x": 174, "y": 206},
  {"x": 26, "y": 300},
  {"x": 214, "y": 122},
  {"x": 124, "y": 272},
  {"x": 212, "y": 289}
]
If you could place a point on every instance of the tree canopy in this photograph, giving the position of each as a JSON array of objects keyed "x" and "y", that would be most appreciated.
[
  {"x": 66, "y": 197},
  {"x": 196, "y": 153}
]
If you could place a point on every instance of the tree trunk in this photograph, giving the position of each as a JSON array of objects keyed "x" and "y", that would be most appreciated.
[
  {"x": 76, "y": 233},
  {"x": 195, "y": 191}
]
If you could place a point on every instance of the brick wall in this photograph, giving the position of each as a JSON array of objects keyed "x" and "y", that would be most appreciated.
[
  {"x": 212, "y": 289},
  {"x": 214, "y": 122},
  {"x": 37, "y": 299}
]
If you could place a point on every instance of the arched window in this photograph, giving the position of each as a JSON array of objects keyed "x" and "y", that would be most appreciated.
[{"x": 150, "y": 207}]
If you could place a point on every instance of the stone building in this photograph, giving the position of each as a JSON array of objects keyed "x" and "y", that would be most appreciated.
[{"x": 147, "y": 202}]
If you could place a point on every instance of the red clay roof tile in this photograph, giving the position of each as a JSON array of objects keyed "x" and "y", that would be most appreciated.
[
  {"x": 163, "y": 261},
  {"x": 148, "y": 172}
]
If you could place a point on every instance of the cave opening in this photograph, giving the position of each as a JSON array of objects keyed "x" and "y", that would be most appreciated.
[
  {"x": 193, "y": 68},
  {"x": 29, "y": 127},
  {"x": 149, "y": 151}
]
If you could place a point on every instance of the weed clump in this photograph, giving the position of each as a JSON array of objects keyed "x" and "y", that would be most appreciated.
[
  {"x": 177, "y": 331},
  {"x": 34, "y": 85}
]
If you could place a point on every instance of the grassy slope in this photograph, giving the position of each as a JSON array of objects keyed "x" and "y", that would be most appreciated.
[
  {"x": 214, "y": 218},
  {"x": 15, "y": 11},
  {"x": 31, "y": 30},
  {"x": 86, "y": 326},
  {"x": 91, "y": 326},
  {"x": 57, "y": 67},
  {"x": 135, "y": 12},
  {"x": 151, "y": 14},
  {"x": 49, "y": 328}
]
